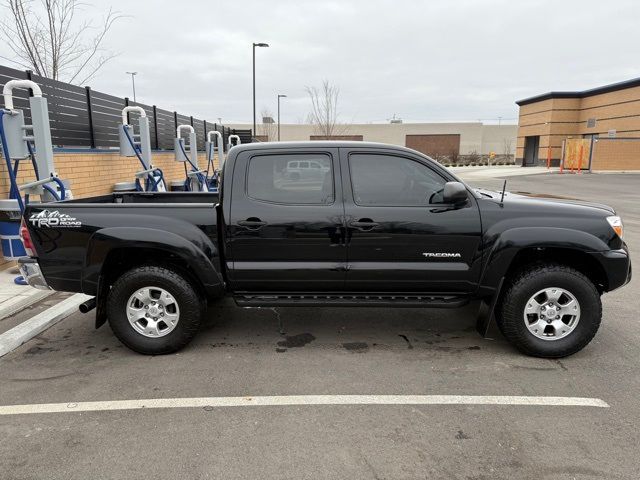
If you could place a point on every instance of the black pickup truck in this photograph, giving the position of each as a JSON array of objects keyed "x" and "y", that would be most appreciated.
[{"x": 321, "y": 224}]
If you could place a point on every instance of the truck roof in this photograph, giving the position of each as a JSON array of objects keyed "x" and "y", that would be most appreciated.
[{"x": 319, "y": 144}]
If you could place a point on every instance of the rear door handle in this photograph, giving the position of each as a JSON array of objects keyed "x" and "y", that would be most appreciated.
[
  {"x": 252, "y": 223},
  {"x": 364, "y": 224}
]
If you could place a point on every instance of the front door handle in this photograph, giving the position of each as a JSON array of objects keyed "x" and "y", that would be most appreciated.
[
  {"x": 364, "y": 224},
  {"x": 252, "y": 223}
]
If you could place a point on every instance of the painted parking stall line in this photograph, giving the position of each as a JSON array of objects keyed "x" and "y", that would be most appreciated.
[{"x": 300, "y": 400}]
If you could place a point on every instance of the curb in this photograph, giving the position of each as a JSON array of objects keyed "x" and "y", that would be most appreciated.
[
  {"x": 21, "y": 302},
  {"x": 20, "y": 334}
]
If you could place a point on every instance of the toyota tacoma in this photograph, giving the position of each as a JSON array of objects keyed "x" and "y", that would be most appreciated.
[{"x": 374, "y": 225}]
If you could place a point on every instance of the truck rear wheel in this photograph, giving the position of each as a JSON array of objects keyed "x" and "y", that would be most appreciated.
[
  {"x": 154, "y": 310},
  {"x": 550, "y": 311}
]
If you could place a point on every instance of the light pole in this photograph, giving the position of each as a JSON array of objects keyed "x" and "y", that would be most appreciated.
[
  {"x": 254, "y": 83},
  {"x": 133, "y": 82},
  {"x": 279, "y": 97}
]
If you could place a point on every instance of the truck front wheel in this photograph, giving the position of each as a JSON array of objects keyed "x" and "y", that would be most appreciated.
[
  {"x": 550, "y": 311},
  {"x": 154, "y": 310}
]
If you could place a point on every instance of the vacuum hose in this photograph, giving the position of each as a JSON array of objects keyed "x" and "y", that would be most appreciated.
[
  {"x": 193, "y": 168},
  {"x": 13, "y": 171},
  {"x": 151, "y": 183},
  {"x": 54, "y": 194},
  {"x": 5, "y": 154}
]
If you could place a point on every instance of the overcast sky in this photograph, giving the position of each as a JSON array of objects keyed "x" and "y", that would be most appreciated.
[{"x": 421, "y": 60}]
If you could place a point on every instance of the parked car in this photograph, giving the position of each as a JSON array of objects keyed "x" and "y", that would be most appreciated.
[
  {"x": 382, "y": 226},
  {"x": 306, "y": 169}
]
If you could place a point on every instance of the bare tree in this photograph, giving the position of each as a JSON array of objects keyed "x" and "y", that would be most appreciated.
[
  {"x": 267, "y": 129},
  {"x": 52, "y": 42},
  {"x": 454, "y": 156},
  {"x": 324, "y": 109},
  {"x": 507, "y": 144}
]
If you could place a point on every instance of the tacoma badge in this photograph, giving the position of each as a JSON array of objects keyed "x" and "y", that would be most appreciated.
[{"x": 441, "y": 255}]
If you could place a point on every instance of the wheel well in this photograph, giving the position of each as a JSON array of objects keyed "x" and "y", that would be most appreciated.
[
  {"x": 576, "y": 259},
  {"x": 121, "y": 260}
]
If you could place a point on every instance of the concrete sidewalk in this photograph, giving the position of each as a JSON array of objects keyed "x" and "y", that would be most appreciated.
[
  {"x": 26, "y": 311},
  {"x": 13, "y": 297},
  {"x": 479, "y": 173}
]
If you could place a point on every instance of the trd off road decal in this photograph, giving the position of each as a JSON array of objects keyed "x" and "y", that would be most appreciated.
[{"x": 53, "y": 218}]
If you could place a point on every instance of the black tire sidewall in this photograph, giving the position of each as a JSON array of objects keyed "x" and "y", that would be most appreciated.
[
  {"x": 513, "y": 324},
  {"x": 189, "y": 304}
]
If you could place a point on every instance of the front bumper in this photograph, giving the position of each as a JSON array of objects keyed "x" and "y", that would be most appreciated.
[
  {"x": 30, "y": 270},
  {"x": 616, "y": 265}
]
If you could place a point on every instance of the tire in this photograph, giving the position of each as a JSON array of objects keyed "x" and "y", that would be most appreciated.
[
  {"x": 550, "y": 341},
  {"x": 156, "y": 336}
]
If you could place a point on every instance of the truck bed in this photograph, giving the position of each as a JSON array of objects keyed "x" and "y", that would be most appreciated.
[
  {"x": 72, "y": 236},
  {"x": 146, "y": 197}
]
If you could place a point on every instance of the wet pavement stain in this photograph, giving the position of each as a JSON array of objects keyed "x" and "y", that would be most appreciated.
[
  {"x": 356, "y": 347},
  {"x": 406, "y": 339},
  {"x": 296, "y": 341},
  {"x": 38, "y": 350},
  {"x": 562, "y": 365},
  {"x": 54, "y": 377}
]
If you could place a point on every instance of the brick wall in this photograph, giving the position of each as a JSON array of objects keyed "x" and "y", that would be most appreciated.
[
  {"x": 94, "y": 173},
  {"x": 616, "y": 154},
  {"x": 435, "y": 145}
]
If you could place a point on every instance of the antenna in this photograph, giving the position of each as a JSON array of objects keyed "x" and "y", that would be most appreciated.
[{"x": 504, "y": 187}]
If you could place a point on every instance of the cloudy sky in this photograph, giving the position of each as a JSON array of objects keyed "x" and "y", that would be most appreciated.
[{"x": 434, "y": 60}]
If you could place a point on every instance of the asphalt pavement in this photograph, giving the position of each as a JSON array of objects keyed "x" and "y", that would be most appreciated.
[{"x": 333, "y": 351}]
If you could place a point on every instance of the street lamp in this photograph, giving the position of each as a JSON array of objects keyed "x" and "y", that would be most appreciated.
[
  {"x": 254, "y": 82},
  {"x": 133, "y": 82},
  {"x": 279, "y": 97}
]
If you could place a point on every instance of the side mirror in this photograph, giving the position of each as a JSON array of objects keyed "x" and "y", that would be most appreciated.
[{"x": 454, "y": 192}]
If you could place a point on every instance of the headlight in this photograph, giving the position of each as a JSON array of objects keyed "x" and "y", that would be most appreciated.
[{"x": 616, "y": 224}]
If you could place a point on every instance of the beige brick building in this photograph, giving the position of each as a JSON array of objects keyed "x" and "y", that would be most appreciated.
[
  {"x": 607, "y": 117},
  {"x": 434, "y": 139}
]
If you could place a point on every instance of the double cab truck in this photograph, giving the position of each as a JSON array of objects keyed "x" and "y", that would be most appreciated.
[{"x": 372, "y": 225}]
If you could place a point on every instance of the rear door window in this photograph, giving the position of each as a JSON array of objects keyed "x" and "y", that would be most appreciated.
[{"x": 279, "y": 179}]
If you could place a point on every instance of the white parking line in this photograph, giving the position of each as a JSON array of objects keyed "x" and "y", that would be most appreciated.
[{"x": 296, "y": 400}]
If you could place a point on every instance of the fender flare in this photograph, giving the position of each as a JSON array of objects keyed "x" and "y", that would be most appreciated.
[
  {"x": 508, "y": 245},
  {"x": 106, "y": 240},
  {"x": 514, "y": 240}
]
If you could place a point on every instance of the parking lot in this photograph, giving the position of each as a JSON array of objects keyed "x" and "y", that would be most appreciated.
[{"x": 298, "y": 351}]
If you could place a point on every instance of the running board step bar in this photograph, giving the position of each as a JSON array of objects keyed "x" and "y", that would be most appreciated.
[{"x": 348, "y": 300}]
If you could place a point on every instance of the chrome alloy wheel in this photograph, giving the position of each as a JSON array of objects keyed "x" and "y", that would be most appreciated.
[
  {"x": 153, "y": 312},
  {"x": 552, "y": 313}
]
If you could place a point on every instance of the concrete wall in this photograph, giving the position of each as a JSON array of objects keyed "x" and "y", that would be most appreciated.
[{"x": 475, "y": 137}]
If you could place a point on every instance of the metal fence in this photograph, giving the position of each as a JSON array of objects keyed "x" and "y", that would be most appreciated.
[{"x": 82, "y": 117}]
